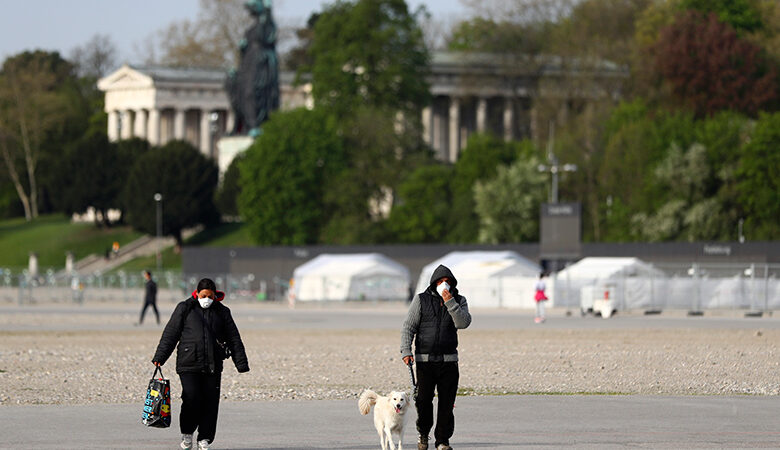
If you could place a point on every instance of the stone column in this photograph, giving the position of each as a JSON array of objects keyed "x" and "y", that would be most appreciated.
[
  {"x": 230, "y": 121},
  {"x": 113, "y": 126},
  {"x": 140, "y": 123},
  {"x": 127, "y": 124},
  {"x": 508, "y": 119},
  {"x": 426, "y": 123},
  {"x": 534, "y": 124},
  {"x": 153, "y": 127},
  {"x": 438, "y": 135},
  {"x": 454, "y": 127},
  {"x": 481, "y": 114},
  {"x": 205, "y": 132},
  {"x": 178, "y": 124}
]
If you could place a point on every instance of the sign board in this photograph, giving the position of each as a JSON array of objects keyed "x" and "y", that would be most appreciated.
[{"x": 560, "y": 230}]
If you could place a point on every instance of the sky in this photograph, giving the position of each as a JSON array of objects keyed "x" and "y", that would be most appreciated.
[{"x": 62, "y": 25}]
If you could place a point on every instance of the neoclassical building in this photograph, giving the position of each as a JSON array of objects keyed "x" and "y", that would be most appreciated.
[{"x": 472, "y": 92}]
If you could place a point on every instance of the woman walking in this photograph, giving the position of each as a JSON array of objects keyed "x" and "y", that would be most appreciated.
[
  {"x": 540, "y": 298},
  {"x": 206, "y": 334}
]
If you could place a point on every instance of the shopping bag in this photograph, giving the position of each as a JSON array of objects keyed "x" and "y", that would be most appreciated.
[{"x": 157, "y": 406}]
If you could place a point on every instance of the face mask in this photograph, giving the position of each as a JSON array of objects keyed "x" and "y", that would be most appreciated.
[
  {"x": 442, "y": 287},
  {"x": 205, "y": 302}
]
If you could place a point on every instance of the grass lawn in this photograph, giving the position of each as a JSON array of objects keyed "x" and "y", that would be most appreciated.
[{"x": 52, "y": 236}]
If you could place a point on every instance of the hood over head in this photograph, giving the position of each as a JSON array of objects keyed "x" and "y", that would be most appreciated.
[{"x": 441, "y": 272}]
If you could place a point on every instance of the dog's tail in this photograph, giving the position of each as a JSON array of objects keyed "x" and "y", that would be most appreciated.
[{"x": 366, "y": 401}]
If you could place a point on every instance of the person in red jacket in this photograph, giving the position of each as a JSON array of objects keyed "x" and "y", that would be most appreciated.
[{"x": 204, "y": 334}]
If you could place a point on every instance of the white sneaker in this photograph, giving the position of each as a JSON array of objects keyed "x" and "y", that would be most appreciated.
[
  {"x": 186, "y": 441},
  {"x": 203, "y": 445}
]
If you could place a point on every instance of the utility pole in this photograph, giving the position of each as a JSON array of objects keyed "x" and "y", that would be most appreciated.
[
  {"x": 553, "y": 165},
  {"x": 158, "y": 199}
]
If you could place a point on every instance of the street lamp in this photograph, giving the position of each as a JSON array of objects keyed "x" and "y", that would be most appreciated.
[
  {"x": 158, "y": 200},
  {"x": 553, "y": 166}
]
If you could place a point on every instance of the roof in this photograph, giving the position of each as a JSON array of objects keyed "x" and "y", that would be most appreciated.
[
  {"x": 355, "y": 264},
  {"x": 480, "y": 264},
  {"x": 605, "y": 267}
]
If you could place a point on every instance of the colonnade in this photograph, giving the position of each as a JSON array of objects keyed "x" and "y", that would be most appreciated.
[
  {"x": 158, "y": 126},
  {"x": 450, "y": 120}
]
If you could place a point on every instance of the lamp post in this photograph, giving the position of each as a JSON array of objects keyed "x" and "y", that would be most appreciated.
[
  {"x": 554, "y": 166},
  {"x": 158, "y": 200}
]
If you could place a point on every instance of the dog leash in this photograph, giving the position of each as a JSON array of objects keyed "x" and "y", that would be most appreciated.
[{"x": 414, "y": 383}]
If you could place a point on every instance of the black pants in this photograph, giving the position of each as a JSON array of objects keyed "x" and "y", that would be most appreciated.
[
  {"x": 443, "y": 377},
  {"x": 154, "y": 308},
  {"x": 199, "y": 404}
]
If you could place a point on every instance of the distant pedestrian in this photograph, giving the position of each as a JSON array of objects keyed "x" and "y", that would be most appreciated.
[
  {"x": 540, "y": 298},
  {"x": 206, "y": 334},
  {"x": 150, "y": 298}
]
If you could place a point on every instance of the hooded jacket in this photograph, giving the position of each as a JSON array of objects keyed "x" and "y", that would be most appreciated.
[
  {"x": 433, "y": 324},
  {"x": 196, "y": 331}
]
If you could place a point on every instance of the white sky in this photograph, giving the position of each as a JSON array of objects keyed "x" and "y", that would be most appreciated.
[{"x": 64, "y": 24}]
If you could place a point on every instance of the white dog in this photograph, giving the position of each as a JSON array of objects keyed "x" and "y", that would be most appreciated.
[{"x": 389, "y": 415}]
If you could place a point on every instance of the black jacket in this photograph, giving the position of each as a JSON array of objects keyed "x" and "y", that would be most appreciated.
[
  {"x": 151, "y": 292},
  {"x": 197, "y": 349}
]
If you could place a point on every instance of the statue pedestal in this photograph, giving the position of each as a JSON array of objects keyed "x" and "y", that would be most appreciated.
[{"x": 228, "y": 148}]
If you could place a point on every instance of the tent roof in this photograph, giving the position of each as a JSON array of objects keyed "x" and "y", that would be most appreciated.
[
  {"x": 481, "y": 264},
  {"x": 354, "y": 264},
  {"x": 603, "y": 267}
]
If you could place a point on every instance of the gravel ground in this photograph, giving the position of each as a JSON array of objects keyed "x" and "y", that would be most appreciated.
[{"x": 84, "y": 367}]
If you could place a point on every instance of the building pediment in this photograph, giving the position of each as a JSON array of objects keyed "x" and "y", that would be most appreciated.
[{"x": 125, "y": 77}]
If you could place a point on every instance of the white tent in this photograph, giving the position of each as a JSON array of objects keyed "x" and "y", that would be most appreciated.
[
  {"x": 606, "y": 284},
  {"x": 488, "y": 278},
  {"x": 363, "y": 276}
]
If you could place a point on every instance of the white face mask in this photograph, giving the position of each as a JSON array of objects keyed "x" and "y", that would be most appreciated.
[
  {"x": 205, "y": 302},
  {"x": 442, "y": 287}
]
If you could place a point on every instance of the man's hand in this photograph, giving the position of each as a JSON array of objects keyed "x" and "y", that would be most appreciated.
[
  {"x": 408, "y": 360},
  {"x": 445, "y": 294}
]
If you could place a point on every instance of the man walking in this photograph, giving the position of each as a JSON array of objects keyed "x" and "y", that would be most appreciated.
[
  {"x": 150, "y": 299},
  {"x": 434, "y": 318}
]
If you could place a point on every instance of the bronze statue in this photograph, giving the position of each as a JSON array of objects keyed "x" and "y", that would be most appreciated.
[{"x": 254, "y": 88}]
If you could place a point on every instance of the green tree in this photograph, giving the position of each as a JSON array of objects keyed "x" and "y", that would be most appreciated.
[
  {"x": 187, "y": 181},
  {"x": 508, "y": 204},
  {"x": 422, "y": 213},
  {"x": 94, "y": 176},
  {"x": 479, "y": 160},
  {"x": 33, "y": 115},
  {"x": 227, "y": 196},
  {"x": 369, "y": 53},
  {"x": 296, "y": 159},
  {"x": 759, "y": 175},
  {"x": 742, "y": 15}
]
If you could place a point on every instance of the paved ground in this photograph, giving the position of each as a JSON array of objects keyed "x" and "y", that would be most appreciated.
[
  {"x": 121, "y": 316},
  {"x": 481, "y": 422}
]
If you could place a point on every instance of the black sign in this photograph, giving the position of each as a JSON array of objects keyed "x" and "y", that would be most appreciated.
[{"x": 560, "y": 230}]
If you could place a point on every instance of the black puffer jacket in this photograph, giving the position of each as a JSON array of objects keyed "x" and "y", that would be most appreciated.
[{"x": 197, "y": 349}]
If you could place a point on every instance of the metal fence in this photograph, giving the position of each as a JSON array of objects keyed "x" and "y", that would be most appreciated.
[
  {"x": 61, "y": 287},
  {"x": 693, "y": 287}
]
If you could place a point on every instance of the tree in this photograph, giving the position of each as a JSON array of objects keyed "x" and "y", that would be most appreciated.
[
  {"x": 187, "y": 181},
  {"x": 33, "y": 108},
  {"x": 211, "y": 40},
  {"x": 227, "y": 196},
  {"x": 94, "y": 176},
  {"x": 742, "y": 15},
  {"x": 483, "y": 154},
  {"x": 286, "y": 173},
  {"x": 423, "y": 210},
  {"x": 508, "y": 204},
  {"x": 710, "y": 68},
  {"x": 759, "y": 179},
  {"x": 95, "y": 58},
  {"x": 369, "y": 53}
]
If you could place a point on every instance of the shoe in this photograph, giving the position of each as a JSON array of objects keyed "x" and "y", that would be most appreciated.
[
  {"x": 422, "y": 442},
  {"x": 186, "y": 441},
  {"x": 203, "y": 444},
  {"x": 444, "y": 447}
]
